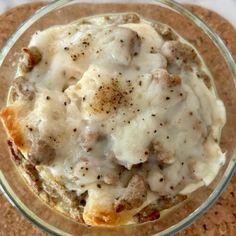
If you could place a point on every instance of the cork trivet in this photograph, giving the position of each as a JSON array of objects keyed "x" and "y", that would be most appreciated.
[
  {"x": 13, "y": 223},
  {"x": 219, "y": 220}
]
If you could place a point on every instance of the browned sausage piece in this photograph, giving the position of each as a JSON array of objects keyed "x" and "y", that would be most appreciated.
[
  {"x": 41, "y": 153},
  {"x": 123, "y": 19},
  {"x": 163, "y": 156},
  {"x": 163, "y": 76},
  {"x": 22, "y": 89},
  {"x": 15, "y": 153},
  {"x": 69, "y": 200},
  {"x": 88, "y": 139},
  {"x": 175, "y": 50},
  {"x": 131, "y": 18},
  {"x": 111, "y": 178},
  {"x": 205, "y": 78},
  {"x": 32, "y": 56},
  {"x": 152, "y": 211},
  {"x": 165, "y": 31},
  {"x": 134, "y": 195},
  {"x": 33, "y": 175},
  {"x": 149, "y": 213}
]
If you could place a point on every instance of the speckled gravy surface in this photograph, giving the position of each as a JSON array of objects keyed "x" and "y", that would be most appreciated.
[{"x": 114, "y": 107}]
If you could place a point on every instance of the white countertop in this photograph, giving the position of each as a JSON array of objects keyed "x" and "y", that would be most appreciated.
[{"x": 226, "y": 8}]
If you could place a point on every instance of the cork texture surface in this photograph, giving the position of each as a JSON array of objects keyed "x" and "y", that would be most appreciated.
[{"x": 219, "y": 220}]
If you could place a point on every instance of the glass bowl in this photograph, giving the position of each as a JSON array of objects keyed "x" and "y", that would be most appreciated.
[{"x": 220, "y": 64}]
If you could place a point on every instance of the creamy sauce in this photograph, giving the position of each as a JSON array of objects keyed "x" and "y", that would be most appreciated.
[{"x": 100, "y": 106}]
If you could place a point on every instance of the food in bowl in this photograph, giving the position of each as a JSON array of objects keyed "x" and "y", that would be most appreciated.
[{"x": 114, "y": 119}]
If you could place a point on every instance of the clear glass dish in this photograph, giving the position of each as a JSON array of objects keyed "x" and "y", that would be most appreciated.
[{"x": 220, "y": 64}]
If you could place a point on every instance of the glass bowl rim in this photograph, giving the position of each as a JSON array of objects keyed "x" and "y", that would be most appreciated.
[{"x": 229, "y": 172}]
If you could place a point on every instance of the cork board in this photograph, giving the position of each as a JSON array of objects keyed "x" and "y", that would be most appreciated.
[{"x": 219, "y": 220}]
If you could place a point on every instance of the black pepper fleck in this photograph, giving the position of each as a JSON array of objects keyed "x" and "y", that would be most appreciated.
[
  {"x": 161, "y": 167},
  {"x": 89, "y": 150},
  {"x": 83, "y": 201}
]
